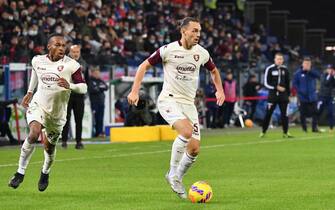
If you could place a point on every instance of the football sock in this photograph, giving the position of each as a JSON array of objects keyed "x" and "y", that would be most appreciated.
[
  {"x": 48, "y": 160},
  {"x": 185, "y": 163},
  {"x": 178, "y": 149},
  {"x": 27, "y": 150}
]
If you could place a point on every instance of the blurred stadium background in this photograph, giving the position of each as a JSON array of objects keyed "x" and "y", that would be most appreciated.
[{"x": 242, "y": 36}]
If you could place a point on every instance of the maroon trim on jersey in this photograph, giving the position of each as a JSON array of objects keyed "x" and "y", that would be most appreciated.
[
  {"x": 209, "y": 65},
  {"x": 155, "y": 58},
  {"x": 77, "y": 77}
]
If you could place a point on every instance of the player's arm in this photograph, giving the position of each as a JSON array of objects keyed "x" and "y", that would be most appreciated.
[
  {"x": 267, "y": 79},
  {"x": 133, "y": 96},
  {"x": 154, "y": 59},
  {"x": 32, "y": 85},
  {"x": 220, "y": 97},
  {"x": 103, "y": 86},
  {"x": 78, "y": 85}
]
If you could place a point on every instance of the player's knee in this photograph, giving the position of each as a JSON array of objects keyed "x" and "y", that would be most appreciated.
[
  {"x": 194, "y": 151},
  {"x": 33, "y": 135},
  {"x": 187, "y": 132}
]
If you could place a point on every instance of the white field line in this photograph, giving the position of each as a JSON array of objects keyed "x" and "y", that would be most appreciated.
[{"x": 164, "y": 151}]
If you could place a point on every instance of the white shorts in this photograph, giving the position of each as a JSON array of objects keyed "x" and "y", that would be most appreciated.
[
  {"x": 52, "y": 127},
  {"x": 172, "y": 111}
]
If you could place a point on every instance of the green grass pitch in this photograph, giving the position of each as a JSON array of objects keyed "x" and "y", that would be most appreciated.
[{"x": 244, "y": 171}]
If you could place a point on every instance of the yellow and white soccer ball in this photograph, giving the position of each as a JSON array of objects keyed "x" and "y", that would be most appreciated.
[{"x": 200, "y": 192}]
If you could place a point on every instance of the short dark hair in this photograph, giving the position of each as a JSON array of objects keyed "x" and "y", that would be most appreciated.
[
  {"x": 306, "y": 58},
  {"x": 54, "y": 35},
  {"x": 279, "y": 54},
  {"x": 185, "y": 21},
  {"x": 252, "y": 76}
]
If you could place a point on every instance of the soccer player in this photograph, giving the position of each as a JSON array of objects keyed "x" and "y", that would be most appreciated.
[
  {"x": 56, "y": 76},
  {"x": 277, "y": 81},
  {"x": 181, "y": 63}
]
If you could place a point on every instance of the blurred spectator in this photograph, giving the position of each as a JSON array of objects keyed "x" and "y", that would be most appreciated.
[
  {"x": 304, "y": 82},
  {"x": 141, "y": 114},
  {"x": 5, "y": 114},
  {"x": 229, "y": 86},
  {"x": 212, "y": 107},
  {"x": 96, "y": 89},
  {"x": 200, "y": 105},
  {"x": 125, "y": 28},
  {"x": 277, "y": 81},
  {"x": 327, "y": 94},
  {"x": 250, "y": 89},
  {"x": 76, "y": 103}
]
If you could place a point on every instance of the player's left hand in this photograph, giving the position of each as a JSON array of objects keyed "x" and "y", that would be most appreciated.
[
  {"x": 220, "y": 97},
  {"x": 63, "y": 83}
]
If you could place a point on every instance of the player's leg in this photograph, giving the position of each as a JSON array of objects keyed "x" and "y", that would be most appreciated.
[
  {"x": 303, "y": 108},
  {"x": 230, "y": 110},
  {"x": 330, "y": 107},
  {"x": 314, "y": 111},
  {"x": 51, "y": 137},
  {"x": 284, "y": 119},
  {"x": 27, "y": 150},
  {"x": 192, "y": 132},
  {"x": 177, "y": 151},
  {"x": 184, "y": 129},
  {"x": 189, "y": 157},
  {"x": 181, "y": 160},
  {"x": 171, "y": 112},
  {"x": 269, "y": 110},
  {"x": 78, "y": 111},
  {"x": 99, "y": 115}
]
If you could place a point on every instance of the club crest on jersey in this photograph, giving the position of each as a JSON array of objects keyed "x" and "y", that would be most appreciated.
[
  {"x": 60, "y": 68},
  {"x": 196, "y": 57}
]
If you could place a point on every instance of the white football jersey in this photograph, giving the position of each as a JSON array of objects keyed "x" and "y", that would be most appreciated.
[
  {"x": 181, "y": 69},
  {"x": 52, "y": 98}
]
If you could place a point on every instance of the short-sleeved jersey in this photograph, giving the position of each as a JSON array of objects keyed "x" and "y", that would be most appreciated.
[
  {"x": 181, "y": 69},
  {"x": 52, "y": 98}
]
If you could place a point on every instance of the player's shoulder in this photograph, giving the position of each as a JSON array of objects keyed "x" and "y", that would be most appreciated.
[
  {"x": 269, "y": 67},
  {"x": 171, "y": 45},
  {"x": 201, "y": 49},
  {"x": 39, "y": 59},
  {"x": 67, "y": 59},
  {"x": 284, "y": 66},
  {"x": 72, "y": 63}
]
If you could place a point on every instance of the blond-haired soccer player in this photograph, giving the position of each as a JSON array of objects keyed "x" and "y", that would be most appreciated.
[
  {"x": 181, "y": 63},
  {"x": 55, "y": 76}
]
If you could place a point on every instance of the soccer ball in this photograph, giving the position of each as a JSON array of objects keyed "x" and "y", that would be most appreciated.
[
  {"x": 200, "y": 192},
  {"x": 248, "y": 123}
]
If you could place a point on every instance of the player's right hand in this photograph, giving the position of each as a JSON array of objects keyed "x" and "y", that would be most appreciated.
[
  {"x": 133, "y": 98},
  {"x": 26, "y": 100},
  {"x": 280, "y": 88},
  {"x": 220, "y": 97}
]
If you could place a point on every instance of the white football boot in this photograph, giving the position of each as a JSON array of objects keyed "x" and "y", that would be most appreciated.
[{"x": 176, "y": 185}]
